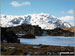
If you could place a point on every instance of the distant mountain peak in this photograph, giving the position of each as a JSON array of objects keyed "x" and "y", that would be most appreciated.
[{"x": 43, "y": 20}]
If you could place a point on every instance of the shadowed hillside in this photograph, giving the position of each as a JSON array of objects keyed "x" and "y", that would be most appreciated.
[{"x": 37, "y": 31}]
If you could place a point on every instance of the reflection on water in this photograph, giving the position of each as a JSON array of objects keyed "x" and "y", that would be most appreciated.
[{"x": 50, "y": 40}]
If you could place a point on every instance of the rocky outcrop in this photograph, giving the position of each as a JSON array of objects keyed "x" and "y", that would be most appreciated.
[
  {"x": 28, "y": 36},
  {"x": 26, "y": 29},
  {"x": 58, "y": 32},
  {"x": 37, "y": 31},
  {"x": 9, "y": 36}
]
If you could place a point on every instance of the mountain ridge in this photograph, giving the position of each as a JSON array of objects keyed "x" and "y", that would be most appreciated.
[{"x": 45, "y": 21}]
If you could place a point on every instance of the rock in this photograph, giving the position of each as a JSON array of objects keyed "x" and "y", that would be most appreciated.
[
  {"x": 37, "y": 31},
  {"x": 9, "y": 36},
  {"x": 28, "y": 36},
  {"x": 26, "y": 29}
]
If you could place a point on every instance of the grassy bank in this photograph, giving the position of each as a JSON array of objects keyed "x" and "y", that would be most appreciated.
[{"x": 21, "y": 49}]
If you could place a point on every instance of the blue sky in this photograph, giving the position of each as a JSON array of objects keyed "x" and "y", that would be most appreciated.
[{"x": 58, "y": 8}]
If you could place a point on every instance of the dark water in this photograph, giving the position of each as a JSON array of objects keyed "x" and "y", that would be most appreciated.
[{"x": 50, "y": 40}]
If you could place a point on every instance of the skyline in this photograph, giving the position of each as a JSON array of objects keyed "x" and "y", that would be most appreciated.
[{"x": 58, "y": 8}]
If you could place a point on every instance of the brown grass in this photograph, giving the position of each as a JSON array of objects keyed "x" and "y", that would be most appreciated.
[
  {"x": 72, "y": 29},
  {"x": 21, "y": 49}
]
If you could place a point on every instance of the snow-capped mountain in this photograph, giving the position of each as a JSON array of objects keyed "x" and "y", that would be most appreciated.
[{"x": 45, "y": 21}]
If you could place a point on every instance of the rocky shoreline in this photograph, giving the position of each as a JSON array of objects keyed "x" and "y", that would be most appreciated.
[{"x": 21, "y": 49}]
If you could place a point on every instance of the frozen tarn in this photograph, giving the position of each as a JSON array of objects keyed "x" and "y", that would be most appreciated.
[{"x": 50, "y": 40}]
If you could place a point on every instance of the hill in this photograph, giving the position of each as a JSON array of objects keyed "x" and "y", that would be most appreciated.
[{"x": 72, "y": 29}]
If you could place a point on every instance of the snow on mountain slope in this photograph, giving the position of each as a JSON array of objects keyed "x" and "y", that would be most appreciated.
[{"x": 45, "y": 21}]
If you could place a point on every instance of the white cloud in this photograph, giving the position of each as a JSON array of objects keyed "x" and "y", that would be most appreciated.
[
  {"x": 67, "y": 18},
  {"x": 70, "y": 11},
  {"x": 16, "y": 4}
]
